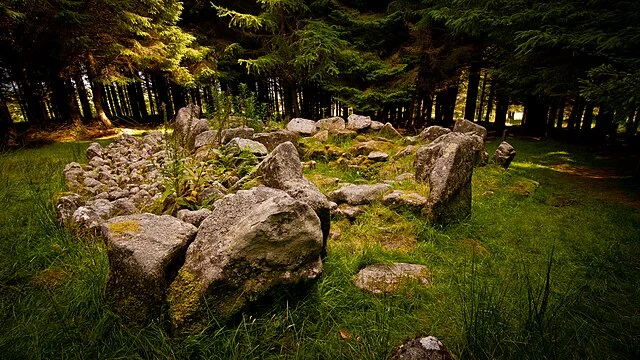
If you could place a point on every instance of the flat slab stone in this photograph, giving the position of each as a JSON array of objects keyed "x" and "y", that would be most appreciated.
[
  {"x": 403, "y": 199},
  {"x": 144, "y": 252},
  {"x": 359, "y": 194},
  {"x": 378, "y": 156},
  {"x": 382, "y": 278}
]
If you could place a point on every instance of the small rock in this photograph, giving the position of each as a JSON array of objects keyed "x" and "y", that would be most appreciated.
[
  {"x": 237, "y": 145},
  {"x": 376, "y": 125},
  {"x": 301, "y": 126},
  {"x": 402, "y": 199},
  {"x": 359, "y": 194},
  {"x": 123, "y": 206},
  {"x": 504, "y": 154},
  {"x": 66, "y": 206},
  {"x": 358, "y": 122},
  {"x": 389, "y": 130},
  {"x": 409, "y": 150},
  {"x": 349, "y": 212},
  {"x": 322, "y": 135},
  {"x": 95, "y": 150},
  {"x": 423, "y": 348},
  {"x": 405, "y": 177},
  {"x": 381, "y": 278},
  {"x": 192, "y": 217},
  {"x": 378, "y": 156}
]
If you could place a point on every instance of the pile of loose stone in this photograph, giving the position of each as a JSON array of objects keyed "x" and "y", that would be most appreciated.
[{"x": 248, "y": 243}]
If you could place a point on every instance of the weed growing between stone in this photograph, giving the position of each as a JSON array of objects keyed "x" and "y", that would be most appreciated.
[{"x": 535, "y": 233}]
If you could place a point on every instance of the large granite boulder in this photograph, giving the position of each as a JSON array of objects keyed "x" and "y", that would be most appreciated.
[
  {"x": 422, "y": 348},
  {"x": 432, "y": 132},
  {"x": 469, "y": 128},
  {"x": 447, "y": 163},
  {"x": 359, "y": 194},
  {"x": 504, "y": 154},
  {"x": 275, "y": 138},
  {"x": 282, "y": 169},
  {"x": 382, "y": 278},
  {"x": 358, "y": 122},
  {"x": 331, "y": 124},
  {"x": 304, "y": 127},
  {"x": 145, "y": 251},
  {"x": 254, "y": 242}
]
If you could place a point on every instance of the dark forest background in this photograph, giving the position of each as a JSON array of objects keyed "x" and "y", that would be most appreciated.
[{"x": 571, "y": 67}]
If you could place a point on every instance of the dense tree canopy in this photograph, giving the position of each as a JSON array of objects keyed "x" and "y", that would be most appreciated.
[{"x": 570, "y": 64}]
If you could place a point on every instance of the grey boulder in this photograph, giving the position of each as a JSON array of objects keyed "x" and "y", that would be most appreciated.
[
  {"x": 282, "y": 169},
  {"x": 239, "y": 132},
  {"x": 358, "y": 122},
  {"x": 255, "y": 242},
  {"x": 469, "y": 128},
  {"x": 144, "y": 252},
  {"x": 432, "y": 132},
  {"x": 359, "y": 194},
  {"x": 447, "y": 163},
  {"x": 272, "y": 139},
  {"x": 304, "y": 127},
  {"x": 331, "y": 124},
  {"x": 505, "y": 153},
  {"x": 407, "y": 200},
  {"x": 237, "y": 145}
]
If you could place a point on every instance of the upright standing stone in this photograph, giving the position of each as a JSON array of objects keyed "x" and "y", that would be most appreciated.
[
  {"x": 282, "y": 169},
  {"x": 447, "y": 163},
  {"x": 468, "y": 127},
  {"x": 504, "y": 154},
  {"x": 144, "y": 252}
]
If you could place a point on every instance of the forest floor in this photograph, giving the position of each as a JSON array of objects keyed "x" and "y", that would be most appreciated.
[{"x": 546, "y": 267}]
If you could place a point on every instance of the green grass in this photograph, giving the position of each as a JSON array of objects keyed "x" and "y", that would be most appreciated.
[{"x": 490, "y": 297}]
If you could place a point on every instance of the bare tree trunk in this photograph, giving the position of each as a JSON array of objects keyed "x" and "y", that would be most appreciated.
[
  {"x": 472, "y": 93},
  {"x": 87, "y": 115}
]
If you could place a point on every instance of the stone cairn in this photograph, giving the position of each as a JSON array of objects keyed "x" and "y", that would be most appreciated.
[{"x": 247, "y": 241}]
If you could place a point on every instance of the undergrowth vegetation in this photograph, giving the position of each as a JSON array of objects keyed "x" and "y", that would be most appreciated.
[{"x": 546, "y": 267}]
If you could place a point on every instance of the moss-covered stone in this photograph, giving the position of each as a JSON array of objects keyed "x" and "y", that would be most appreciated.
[{"x": 130, "y": 226}]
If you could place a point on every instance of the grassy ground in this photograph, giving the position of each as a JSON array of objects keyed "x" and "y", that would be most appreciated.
[{"x": 546, "y": 267}]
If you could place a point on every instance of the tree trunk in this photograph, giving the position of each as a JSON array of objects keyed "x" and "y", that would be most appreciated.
[
  {"x": 472, "y": 93},
  {"x": 604, "y": 123},
  {"x": 98, "y": 100},
  {"x": 177, "y": 94},
  {"x": 147, "y": 83},
  {"x": 492, "y": 91},
  {"x": 450, "y": 107},
  {"x": 553, "y": 113},
  {"x": 536, "y": 118},
  {"x": 588, "y": 119},
  {"x": 484, "y": 87},
  {"x": 142, "y": 104},
  {"x": 87, "y": 115},
  {"x": 133, "y": 101},
  {"x": 561, "y": 108},
  {"x": 164, "y": 101},
  {"x": 6, "y": 122},
  {"x": 502, "y": 107}
]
